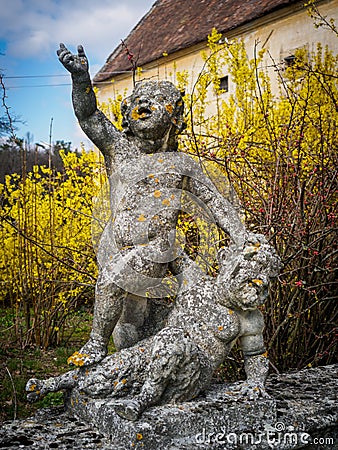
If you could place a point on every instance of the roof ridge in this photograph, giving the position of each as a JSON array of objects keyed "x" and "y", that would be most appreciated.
[{"x": 170, "y": 26}]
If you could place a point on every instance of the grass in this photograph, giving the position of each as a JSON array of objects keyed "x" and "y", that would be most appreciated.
[{"x": 18, "y": 365}]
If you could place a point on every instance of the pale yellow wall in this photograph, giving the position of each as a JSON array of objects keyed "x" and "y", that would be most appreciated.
[{"x": 282, "y": 33}]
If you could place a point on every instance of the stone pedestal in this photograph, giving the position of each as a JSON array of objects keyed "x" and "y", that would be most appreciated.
[
  {"x": 201, "y": 423},
  {"x": 301, "y": 408},
  {"x": 302, "y": 413}
]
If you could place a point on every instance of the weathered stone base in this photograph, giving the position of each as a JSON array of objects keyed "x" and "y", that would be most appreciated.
[
  {"x": 51, "y": 428},
  {"x": 302, "y": 405},
  {"x": 302, "y": 414},
  {"x": 178, "y": 426}
]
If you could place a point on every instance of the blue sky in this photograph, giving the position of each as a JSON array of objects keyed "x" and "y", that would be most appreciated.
[{"x": 37, "y": 86}]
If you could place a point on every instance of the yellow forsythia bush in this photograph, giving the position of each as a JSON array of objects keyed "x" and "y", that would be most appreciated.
[
  {"x": 47, "y": 259},
  {"x": 277, "y": 145}
]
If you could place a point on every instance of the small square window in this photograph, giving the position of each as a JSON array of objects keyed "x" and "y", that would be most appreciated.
[
  {"x": 224, "y": 83},
  {"x": 289, "y": 60}
]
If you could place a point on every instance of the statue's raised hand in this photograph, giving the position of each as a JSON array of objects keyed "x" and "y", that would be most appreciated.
[{"x": 75, "y": 64}]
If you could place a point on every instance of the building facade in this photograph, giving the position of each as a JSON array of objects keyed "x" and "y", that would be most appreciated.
[{"x": 171, "y": 36}]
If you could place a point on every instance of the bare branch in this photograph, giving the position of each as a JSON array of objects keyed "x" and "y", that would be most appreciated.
[{"x": 10, "y": 120}]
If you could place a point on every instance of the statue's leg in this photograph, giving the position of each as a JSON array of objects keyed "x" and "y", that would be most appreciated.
[
  {"x": 127, "y": 330},
  {"x": 109, "y": 301},
  {"x": 172, "y": 351},
  {"x": 36, "y": 388},
  {"x": 127, "y": 272},
  {"x": 140, "y": 275},
  {"x": 131, "y": 409}
]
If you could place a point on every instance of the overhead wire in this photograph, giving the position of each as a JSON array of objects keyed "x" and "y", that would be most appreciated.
[
  {"x": 62, "y": 75},
  {"x": 12, "y": 77},
  {"x": 38, "y": 85},
  {"x": 36, "y": 76}
]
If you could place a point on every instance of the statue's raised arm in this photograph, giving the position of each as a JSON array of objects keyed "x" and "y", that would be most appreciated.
[
  {"x": 77, "y": 65},
  {"x": 94, "y": 123}
]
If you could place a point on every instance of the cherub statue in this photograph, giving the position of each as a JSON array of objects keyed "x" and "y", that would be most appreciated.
[
  {"x": 152, "y": 121},
  {"x": 177, "y": 363}
]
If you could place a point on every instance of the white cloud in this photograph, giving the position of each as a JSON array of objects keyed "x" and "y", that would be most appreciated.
[
  {"x": 30, "y": 33},
  {"x": 34, "y": 28}
]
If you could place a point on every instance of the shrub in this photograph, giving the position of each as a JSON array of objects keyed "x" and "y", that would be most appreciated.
[
  {"x": 280, "y": 154},
  {"x": 47, "y": 259}
]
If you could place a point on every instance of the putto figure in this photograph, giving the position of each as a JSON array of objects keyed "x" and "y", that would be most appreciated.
[{"x": 136, "y": 248}]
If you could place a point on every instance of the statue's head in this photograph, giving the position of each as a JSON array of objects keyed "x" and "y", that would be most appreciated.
[
  {"x": 154, "y": 111},
  {"x": 245, "y": 274}
]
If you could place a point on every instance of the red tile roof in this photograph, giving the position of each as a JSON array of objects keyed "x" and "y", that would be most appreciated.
[{"x": 173, "y": 25}]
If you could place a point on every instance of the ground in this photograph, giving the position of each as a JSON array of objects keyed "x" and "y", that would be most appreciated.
[{"x": 18, "y": 363}]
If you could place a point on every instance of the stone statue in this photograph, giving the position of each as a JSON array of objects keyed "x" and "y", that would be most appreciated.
[
  {"x": 150, "y": 182},
  {"x": 147, "y": 177},
  {"x": 177, "y": 363}
]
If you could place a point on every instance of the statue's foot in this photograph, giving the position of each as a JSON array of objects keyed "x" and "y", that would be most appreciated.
[
  {"x": 34, "y": 389},
  {"x": 128, "y": 409},
  {"x": 91, "y": 353}
]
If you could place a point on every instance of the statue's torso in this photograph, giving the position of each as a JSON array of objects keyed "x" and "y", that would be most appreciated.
[
  {"x": 145, "y": 201},
  {"x": 212, "y": 326}
]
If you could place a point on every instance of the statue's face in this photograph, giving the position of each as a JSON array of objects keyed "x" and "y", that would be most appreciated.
[{"x": 151, "y": 111}]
